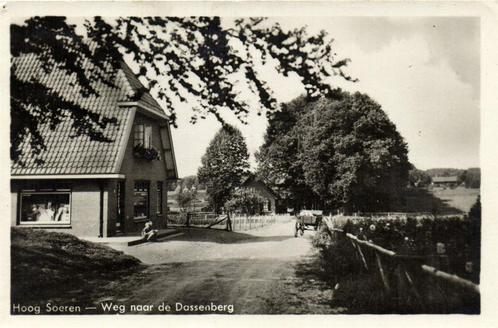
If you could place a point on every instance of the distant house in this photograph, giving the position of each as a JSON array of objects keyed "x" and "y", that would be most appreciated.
[
  {"x": 92, "y": 188},
  {"x": 258, "y": 186},
  {"x": 445, "y": 182}
]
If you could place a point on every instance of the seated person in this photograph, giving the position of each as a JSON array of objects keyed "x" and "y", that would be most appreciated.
[{"x": 148, "y": 233}]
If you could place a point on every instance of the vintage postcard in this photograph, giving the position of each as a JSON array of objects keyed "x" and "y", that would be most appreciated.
[{"x": 203, "y": 161}]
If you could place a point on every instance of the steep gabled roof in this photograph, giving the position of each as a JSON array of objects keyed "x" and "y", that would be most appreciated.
[
  {"x": 138, "y": 89},
  {"x": 66, "y": 154},
  {"x": 252, "y": 178}
]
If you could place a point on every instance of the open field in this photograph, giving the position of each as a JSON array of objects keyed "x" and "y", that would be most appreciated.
[
  {"x": 441, "y": 201},
  {"x": 460, "y": 198}
]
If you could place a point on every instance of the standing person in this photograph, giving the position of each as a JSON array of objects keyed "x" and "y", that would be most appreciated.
[{"x": 148, "y": 233}]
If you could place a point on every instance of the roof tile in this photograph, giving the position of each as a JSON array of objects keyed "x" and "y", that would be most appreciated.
[{"x": 65, "y": 153}]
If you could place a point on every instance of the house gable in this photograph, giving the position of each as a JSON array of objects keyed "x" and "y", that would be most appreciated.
[
  {"x": 139, "y": 168},
  {"x": 67, "y": 154},
  {"x": 253, "y": 182}
]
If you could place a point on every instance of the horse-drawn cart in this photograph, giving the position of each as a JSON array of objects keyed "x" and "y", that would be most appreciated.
[{"x": 306, "y": 219}]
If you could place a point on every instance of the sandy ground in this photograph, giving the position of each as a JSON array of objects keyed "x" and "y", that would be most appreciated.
[{"x": 261, "y": 271}]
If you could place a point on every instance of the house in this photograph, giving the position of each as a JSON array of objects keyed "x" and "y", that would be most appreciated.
[
  {"x": 91, "y": 188},
  {"x": 258, "y": 186},
  {"x": 445, "y": 182}
]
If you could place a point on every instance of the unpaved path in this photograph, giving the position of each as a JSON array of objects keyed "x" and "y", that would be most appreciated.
[{"x": 260, "y": 271}]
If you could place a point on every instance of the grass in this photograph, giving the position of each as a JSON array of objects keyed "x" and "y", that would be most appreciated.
[
  {"x": 441, "y": 201},
  {"x": 460, "y": 198},
  {"x": 51, "y": 266}
]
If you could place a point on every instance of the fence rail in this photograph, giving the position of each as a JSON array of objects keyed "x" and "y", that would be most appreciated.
[
  {"x": 243, "y": 223},
  {"x": 225, "y": 221},
  {"x": 407, "y": 276},
  {"x": 198, "y": 219}
]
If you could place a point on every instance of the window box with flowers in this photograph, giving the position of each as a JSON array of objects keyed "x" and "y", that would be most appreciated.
[
  {"x": 143, "y": 143},
  {"x": 150, "y": 153}
]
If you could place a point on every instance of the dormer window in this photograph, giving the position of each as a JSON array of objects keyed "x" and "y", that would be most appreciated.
[{"x": 143, "y": 135}]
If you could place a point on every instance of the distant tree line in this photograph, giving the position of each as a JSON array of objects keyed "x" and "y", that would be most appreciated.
[
  {"x": 186, "y": 183},
  {"x": 470, "y": 178}
]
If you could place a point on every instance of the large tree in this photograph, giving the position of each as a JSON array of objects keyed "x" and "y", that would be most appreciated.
[
  {"x": 224, "y": 165},
  {"x": 278, "y": 157},
  {"x": 199, "y": 59},
  {"x": 348, "y": 152}
]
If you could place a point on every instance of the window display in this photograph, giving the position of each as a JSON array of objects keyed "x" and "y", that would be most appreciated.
[
  {"x": 141, "y": 200},
  {"x": 45, "y": 208}
]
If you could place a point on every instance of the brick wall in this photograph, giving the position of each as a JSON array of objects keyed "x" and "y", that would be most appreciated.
[
  {"x": 85, "y": 203},
  {"x": 140, "y": 169}
]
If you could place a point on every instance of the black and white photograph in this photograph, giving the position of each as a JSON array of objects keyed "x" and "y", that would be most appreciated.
[{"x": 234, "y": 163}]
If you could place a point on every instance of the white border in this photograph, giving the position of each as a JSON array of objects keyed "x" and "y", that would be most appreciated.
[{"x": 489, "y": 160}]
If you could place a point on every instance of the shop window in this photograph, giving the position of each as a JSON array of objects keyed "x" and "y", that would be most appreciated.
[
  {"x": 159, "y": 207},
  {"x": 45, "y": 208},
  {"x": 141, "y": 200}
]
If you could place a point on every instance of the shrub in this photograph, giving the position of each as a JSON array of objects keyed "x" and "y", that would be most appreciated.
[{"x": 246, "y": 202}]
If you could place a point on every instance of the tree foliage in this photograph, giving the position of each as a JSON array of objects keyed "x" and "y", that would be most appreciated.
[
  {"x": 178, "y": 58},
  {"x": 278, "y": 158},
  {"x": 472, "y": 178},
  {"x": 419, "y": 178},
  {"x": 185, "y": 198},
  {"x": 345, "y": 151},
  {"x": 224, "y": 165},
  {"x": 475, "y": 210},
  {"x": 246, "y": 202}
]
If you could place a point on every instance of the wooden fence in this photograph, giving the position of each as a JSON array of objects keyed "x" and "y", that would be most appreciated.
[
  {"x": 408, "y": 279},
  {"x": 243, "y": 223},
  {"x": 224, "y": 221},
  {"x": 198, "y": 219}
]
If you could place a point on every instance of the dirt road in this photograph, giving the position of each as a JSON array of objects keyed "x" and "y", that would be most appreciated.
[{"x": 262, "y": 271}]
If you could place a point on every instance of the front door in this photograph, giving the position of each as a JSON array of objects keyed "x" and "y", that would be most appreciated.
[{"x": 120, "y": 192}]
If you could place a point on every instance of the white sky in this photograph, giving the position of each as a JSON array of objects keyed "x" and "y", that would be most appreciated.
[{"x": 423, "y": 71}]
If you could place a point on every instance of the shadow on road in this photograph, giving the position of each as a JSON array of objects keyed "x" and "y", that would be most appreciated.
[{"x": 222, "y": 236}]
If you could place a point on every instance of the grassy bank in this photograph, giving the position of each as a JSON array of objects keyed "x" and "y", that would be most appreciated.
[{"x": 52, "y": 266}]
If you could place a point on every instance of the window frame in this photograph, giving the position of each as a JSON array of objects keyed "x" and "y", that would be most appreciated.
[
  {"x": 142, "y": 135},
  {"x": 21, "y": 193},
  {"x": 159, "y": 197}
]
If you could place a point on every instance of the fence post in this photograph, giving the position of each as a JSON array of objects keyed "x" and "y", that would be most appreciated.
[
  {"x": 229, "y": 222},
  {"x": 358, "y": 248},
  {"x": 413, "y": 288},
  {"x": 382, "y": 273},
  {"x": 188, "y": 220}
]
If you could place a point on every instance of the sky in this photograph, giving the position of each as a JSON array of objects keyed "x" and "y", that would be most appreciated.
[{"x": 423, "y": 71}]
